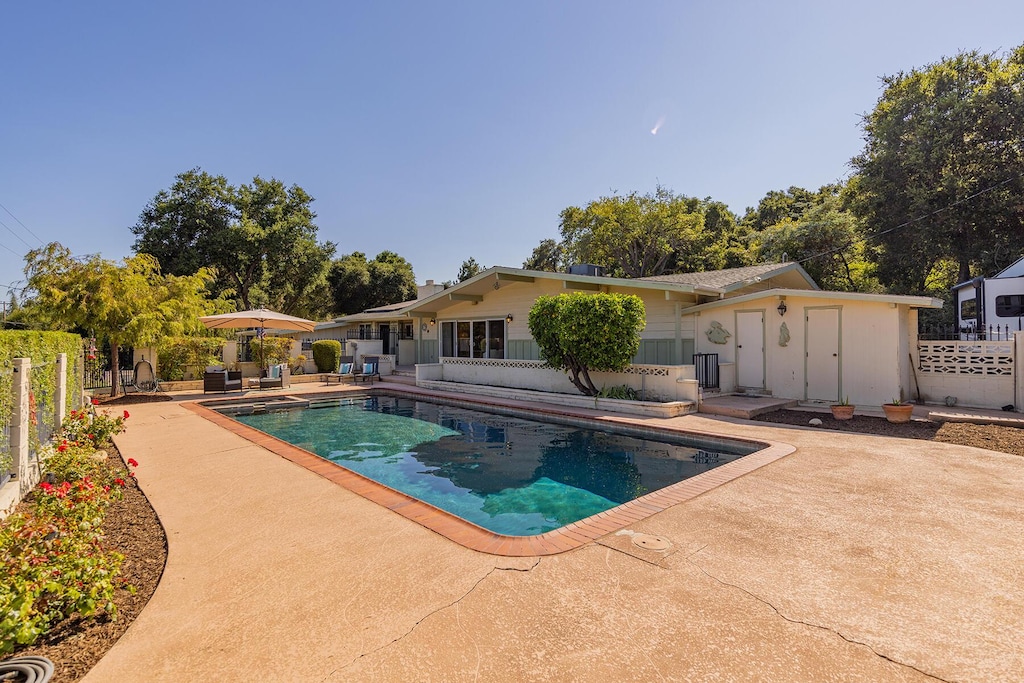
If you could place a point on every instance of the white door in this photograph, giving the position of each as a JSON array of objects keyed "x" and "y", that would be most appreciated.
[
  {"x": 822, "y": 353},
  {"x": 750, "y": 349}
]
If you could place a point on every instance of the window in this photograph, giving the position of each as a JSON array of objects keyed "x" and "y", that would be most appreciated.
[
  {"x": 1010, "y": 306},
  {"x": 969, "y": 309},
  {"x": 473, "y": 339},
  {"x": 365, "y": 331}
]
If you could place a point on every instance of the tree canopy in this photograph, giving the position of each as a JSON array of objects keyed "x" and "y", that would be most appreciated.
[
  {"x": 469, "y": 269},
  {"x": 259, "y": 240},
  {"x": 940, "y": 175},
  {"x": 581, "y": 332},
  {"x": 652, "y": 234},
  {"x": 546, "y": 256},
  {"x": 129, "y": 302},
  {"x": 357, "y": 284}
]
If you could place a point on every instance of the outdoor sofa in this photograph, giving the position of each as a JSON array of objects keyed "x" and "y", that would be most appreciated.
[{"x": 221, "y": 380}]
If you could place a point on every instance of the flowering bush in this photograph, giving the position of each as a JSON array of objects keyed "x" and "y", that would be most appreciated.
[
  {"x": 52, "y": 555},
  {"x": 83, "y": 426}
]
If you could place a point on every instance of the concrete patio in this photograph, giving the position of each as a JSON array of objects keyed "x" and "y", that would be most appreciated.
[{"x": 853, "y": 558}]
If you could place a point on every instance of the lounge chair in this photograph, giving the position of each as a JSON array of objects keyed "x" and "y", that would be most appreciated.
[
  {"x": 345, "y": 371},
  {"x": 369, "y": 370},
  {"x": 221, "y": 380},
  {"x": 276, "y": 377}
]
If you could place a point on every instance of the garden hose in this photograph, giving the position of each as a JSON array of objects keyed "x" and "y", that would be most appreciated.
[{"x": 26, "y": 670}]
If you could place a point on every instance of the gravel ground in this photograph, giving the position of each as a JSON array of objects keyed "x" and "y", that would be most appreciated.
[
  {"x": 991, "y": 437},
  {"x": 134, "y": 530}
]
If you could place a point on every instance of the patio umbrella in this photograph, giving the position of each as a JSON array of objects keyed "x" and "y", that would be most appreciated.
[{"x": 260, "y": 318}]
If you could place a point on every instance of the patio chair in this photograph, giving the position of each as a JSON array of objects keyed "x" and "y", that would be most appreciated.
[
  {"x": 370, "y": 369},
  {"x": 345, "y": 371},
  {"x": 144, "y": 379},
  {"x": 276, "y": 377},
  {"x": 221, "y": 380}
]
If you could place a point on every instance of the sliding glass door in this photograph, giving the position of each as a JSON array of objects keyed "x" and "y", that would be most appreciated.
[{"x": 473, "y": 339}]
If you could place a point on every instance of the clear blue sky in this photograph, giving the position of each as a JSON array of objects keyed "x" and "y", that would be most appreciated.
[{"x": 442, "y": 130}]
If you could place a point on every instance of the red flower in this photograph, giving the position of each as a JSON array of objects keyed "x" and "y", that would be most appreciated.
[
  {"x": 63, "y": 447},
  {"x": 120, "y": 482},
  {"x": 91, "y": 437},
  {"x": 131, "y": 474},
  {"x": 95, "y": 401},
  {"x": 126, "y": 415},
  {"x": 46, "y": 486},
  {"x": 132, "y": 462}
]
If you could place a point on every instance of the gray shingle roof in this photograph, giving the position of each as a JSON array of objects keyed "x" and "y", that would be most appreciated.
[{"x": 721, "y": 279}]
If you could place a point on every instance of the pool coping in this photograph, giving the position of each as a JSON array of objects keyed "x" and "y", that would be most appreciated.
[{"x": 469, "y": 535}]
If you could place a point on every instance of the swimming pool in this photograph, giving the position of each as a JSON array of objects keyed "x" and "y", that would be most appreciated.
[{"x": 508, "y": 474}]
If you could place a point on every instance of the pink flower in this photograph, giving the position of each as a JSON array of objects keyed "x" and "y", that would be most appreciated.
[{"x": 132, "y": 462}]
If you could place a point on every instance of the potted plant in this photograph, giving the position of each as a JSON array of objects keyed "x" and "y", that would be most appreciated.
[
  {"x": 898, "y": 411},
  {"x": 843, "y": 410}
]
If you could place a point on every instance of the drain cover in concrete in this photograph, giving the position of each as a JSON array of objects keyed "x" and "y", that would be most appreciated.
[{"x": 648, "y": 542}]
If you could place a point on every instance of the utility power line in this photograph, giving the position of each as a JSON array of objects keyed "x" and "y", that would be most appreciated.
[
  {"x": 918, "y": 219},
  {"x": 27, "y": 229}
]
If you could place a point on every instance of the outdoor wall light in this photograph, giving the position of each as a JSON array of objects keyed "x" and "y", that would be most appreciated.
[
  {"x": 508, "y": 318},
  {"x": 433, "y": 321},
  {"x": 782, "y": 307}
]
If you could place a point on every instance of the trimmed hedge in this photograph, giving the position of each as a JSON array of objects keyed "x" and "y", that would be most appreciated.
[
  {"x": 327, "y": 355},
  {"x": 40, "y": 347}
]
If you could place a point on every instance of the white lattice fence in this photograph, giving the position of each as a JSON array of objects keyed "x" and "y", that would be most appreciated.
[{"x": 985, "y": 358}]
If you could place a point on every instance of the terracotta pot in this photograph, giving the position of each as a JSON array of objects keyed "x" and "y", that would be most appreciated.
[
  {"x": 900, "y": 413},
  {"x": 841, "y": 412}
]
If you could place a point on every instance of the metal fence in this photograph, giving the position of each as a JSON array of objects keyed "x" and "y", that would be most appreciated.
[
  {"x": 956, "y": 333},
  {"x": 706, "y": 365}
]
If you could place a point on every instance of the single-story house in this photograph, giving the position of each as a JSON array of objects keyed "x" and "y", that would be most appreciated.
[{"x": 773, "y": 329}]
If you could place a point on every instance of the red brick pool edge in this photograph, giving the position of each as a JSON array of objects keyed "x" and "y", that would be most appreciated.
[{"x": 471, "y": 536}]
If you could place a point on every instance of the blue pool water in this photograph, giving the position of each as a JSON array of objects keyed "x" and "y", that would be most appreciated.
[{"x": 511, "y": 475}]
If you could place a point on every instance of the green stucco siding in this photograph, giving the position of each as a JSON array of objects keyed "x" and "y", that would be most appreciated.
[
  {"x": 522, "y": 349},
  {"x": 428, "y": 351}
]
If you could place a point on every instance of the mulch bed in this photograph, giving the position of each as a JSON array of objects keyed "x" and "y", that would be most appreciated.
[
  {"x": 992, "y": 437},
  {"x": 130, "y": 399},
  {"x": 132, "y": 529}
]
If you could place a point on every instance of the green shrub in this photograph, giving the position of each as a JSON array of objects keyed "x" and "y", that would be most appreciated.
[
  {"x": 178, "y": 354},
  {"x": 327, "y": 355},
  {"x": 623, "y": 392},
  {"x": 578, "y": 333},
  {"x": 271, "y": 351}
]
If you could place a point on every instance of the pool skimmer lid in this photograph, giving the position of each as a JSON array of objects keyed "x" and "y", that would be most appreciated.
[{"x": 646, "y": 541}]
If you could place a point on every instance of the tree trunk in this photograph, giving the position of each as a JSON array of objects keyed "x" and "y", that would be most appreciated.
[{"x": 115, "y": 369}]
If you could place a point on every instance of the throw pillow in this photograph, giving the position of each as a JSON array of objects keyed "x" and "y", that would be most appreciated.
[
  {"x": 369, "y": 368},
  {"x": 346, "y": 368},
  {"x": 275, "y": 371}
]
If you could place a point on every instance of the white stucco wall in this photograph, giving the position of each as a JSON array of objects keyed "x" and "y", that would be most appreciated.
[
  {"x": 873, "y": 335},
  {"x": 657, "y": 382},
  {"x": 518, "y": 298}
]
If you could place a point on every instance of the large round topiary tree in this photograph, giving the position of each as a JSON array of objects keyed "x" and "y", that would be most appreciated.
[{"x": 581, "y": 332}]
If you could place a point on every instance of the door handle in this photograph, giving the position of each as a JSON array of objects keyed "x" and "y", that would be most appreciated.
[
  {"x": 739, "y": 346},
  {"x": 835, "y": 355}
]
